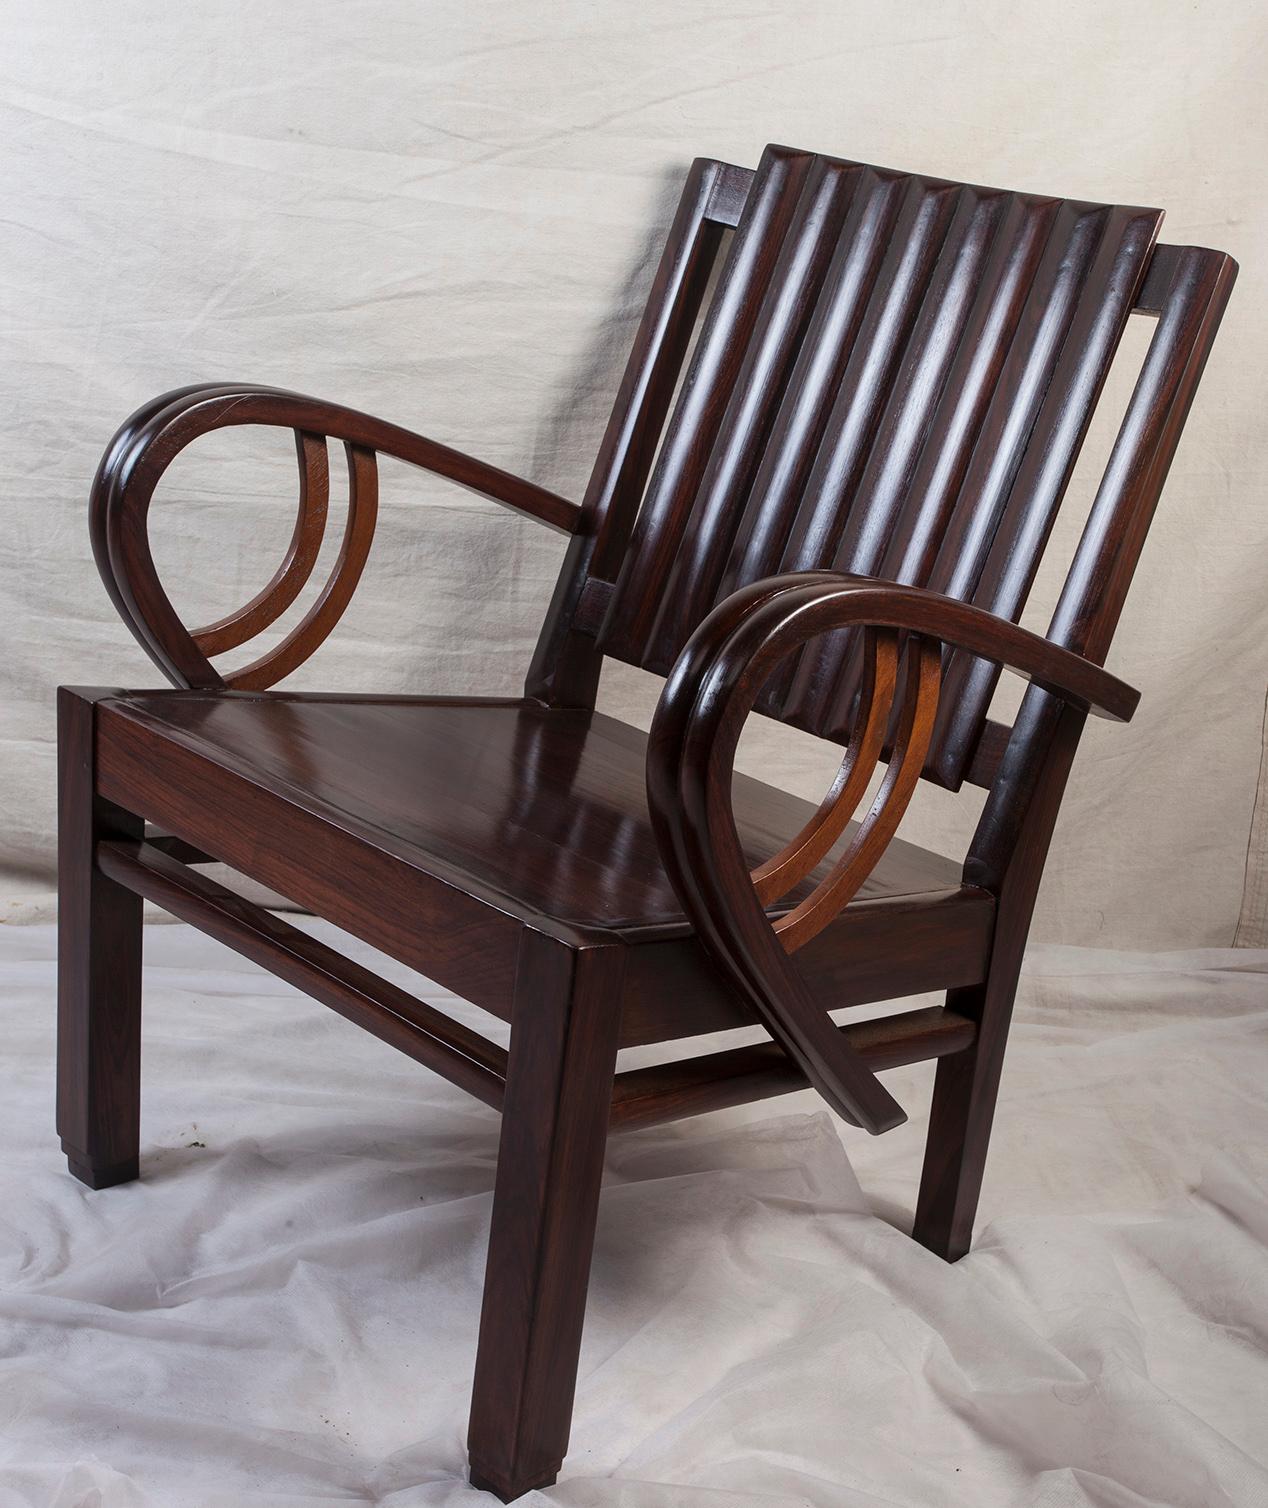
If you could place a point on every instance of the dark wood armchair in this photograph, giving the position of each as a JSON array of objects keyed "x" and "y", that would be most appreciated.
[{"x": 824, "y": 496}]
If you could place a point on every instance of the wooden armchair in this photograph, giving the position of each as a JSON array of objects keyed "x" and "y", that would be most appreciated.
[{"x": 834, "y": 517}]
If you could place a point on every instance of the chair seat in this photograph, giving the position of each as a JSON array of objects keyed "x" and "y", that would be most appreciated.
[
  {"x": 439, "y": 829},
  {"x": 542, "y": 807}
]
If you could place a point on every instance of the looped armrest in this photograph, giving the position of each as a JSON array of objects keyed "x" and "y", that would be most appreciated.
[
  {"x": 690, "y": 759},
  {"x": 148, "y": 442}
]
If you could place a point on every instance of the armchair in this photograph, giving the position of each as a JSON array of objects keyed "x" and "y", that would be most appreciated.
[{"x": 848, "y": 421}]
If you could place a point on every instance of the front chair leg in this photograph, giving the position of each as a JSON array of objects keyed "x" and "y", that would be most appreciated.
[
  {"x": 564, "y": 1026},
  {"x": 965, "y": 1089},
  {"x": 98, "y": 967}
]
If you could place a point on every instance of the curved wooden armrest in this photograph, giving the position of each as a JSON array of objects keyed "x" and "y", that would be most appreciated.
[
  {"x": 690, "y": 759},
  {"x": 147, "y": 443}
]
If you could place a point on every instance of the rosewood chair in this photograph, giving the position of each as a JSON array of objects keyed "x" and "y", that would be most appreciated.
[{"x": 849, "y": 418}]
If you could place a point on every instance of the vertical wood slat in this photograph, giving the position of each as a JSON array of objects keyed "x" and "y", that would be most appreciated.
[
  {"x": 1189, "y": 286},
  {"x": 694, "y": 424},
  {"x": 761, "y": 537},
  {"x": 1000, "y": 278},
  {"x": 842, "y": 502},
  {"x": 1078, "y": 375},
  {"x": 778, "y": 329},
  {"x": 1024, "y": 455},
  {"x": 912, "y": 423}
]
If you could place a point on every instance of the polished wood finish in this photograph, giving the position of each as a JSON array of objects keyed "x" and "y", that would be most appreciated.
[
  {"x": 178, "y": 848},
  {"x": 641, "y": 1097},
  {"x": 915, "y": 730},
  {"x": 739, "y": 1075},
  {"x": 557, "y": 835},
  {"x": 797, "y": 858},
  {"x": 391, "y": 1014},
  {"x": 291, "y": 576},
  {"x": 893, "y": 379},
  {"x": 98, "y": 965},
  {"x": 830, "y": 475},
  {"x": 691, "y": 756},
  {"x": 556, "y": 830},
  {"x": 965, "y": 1091},
  {"x": 885, "y": 948},
  {"x": 564, "y": 1028},
  {"x": 150, "y": 440}
]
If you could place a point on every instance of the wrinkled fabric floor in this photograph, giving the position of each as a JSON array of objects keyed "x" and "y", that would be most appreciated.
[{"x": 283, "y": 1310}]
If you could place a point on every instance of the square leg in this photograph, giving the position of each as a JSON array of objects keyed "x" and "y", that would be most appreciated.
[
  {"x": 98, "y": 968},
  {"x": 564, "y": 1028}
]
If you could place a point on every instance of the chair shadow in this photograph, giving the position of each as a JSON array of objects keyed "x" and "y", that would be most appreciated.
[
  {"x": 403, "y": 1146},
  {"x": 899, "y": 1216},
  {"x": 443, "y": 1152}
]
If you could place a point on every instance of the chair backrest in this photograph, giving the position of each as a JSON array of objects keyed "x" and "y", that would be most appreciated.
[{"x": 885, "y": 374}]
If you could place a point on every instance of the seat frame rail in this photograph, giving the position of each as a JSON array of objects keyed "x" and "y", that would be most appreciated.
[{"x": 641, "y": 1097}]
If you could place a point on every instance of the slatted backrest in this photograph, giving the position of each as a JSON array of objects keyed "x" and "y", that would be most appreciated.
[{"x": 893, "y": 377}]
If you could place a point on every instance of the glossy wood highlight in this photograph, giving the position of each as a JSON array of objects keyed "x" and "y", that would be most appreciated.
[{"x": 893, "y": 379}]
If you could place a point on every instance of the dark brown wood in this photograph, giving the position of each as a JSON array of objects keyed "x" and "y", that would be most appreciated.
[
  {"x": 427, "y": 1035},
  {"x": 796, "y": 859},
  {"x": 565, "y": 668},
  {"x": 739, "y": 1075},
  {"x": 98, "y": 965},
  {"x": 893, "y": 379},
  {"x": 1188, "y": 289},
  {"x": 312, "y": 630},
  {"x": 361, "y": 879},
  {"x": 564, "y": 1028},
  {"x": 984, "y": 766},
  {"x": 885, "y": 948},
  {"x": 863, "y": 852},
  {"x": 268, "y": 605},
  {"x": 177, "y": 848},
  {"x": 966, "y": 1085},
  {"x": 305, "y": 793},
  {"x": 691, "y": 755},
  {"x": 830, "y": 475},
  {"x": 147, "y": 443}
]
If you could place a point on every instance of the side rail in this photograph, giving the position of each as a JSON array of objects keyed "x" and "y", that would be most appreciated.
[
  {"x": 691, "y": 755},
  {"x": 148, "y": 442}
]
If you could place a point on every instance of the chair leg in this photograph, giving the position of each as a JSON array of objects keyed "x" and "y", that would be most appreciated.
[
  {"x": 964, "y": 1092},
  {"x": 98, "y": 968},
  {"x": 564, "y": 1027}
]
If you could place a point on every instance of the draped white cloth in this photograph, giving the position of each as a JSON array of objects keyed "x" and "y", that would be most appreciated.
[
  {"x": 283, "y": 1310},
  {"x": 448, "y": 214}
]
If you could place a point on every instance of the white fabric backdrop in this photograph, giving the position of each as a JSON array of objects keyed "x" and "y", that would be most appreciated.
[
  {"x": 284, "y": 1309},
  {"x": 446, "y": 213}
]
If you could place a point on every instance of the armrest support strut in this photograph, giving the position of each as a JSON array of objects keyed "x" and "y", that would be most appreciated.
[
  {"x": 691, "y": 753},
  {"x": 147, "y": 443}
]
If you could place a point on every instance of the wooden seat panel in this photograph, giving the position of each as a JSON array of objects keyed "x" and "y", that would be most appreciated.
[{"x": 541, "y": 807}]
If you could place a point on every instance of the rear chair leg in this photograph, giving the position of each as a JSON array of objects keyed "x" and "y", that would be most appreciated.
[
  {"x": 98, "y": 966},
  {"x": 964, "y": 1093},
  {"x": 564, "y": 1027}
]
